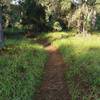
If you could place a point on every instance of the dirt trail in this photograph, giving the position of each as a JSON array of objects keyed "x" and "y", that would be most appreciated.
[{"x": 53, "y": 86}]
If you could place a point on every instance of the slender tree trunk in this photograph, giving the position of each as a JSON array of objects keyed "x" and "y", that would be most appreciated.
[{"x": 1, "y": 31}]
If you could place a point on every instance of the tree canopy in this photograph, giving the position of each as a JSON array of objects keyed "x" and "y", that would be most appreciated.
[{"x": 41, "y": 15}]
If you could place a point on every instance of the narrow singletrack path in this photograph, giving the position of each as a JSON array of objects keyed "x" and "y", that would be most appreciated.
[{"x": 53, "y": 86}]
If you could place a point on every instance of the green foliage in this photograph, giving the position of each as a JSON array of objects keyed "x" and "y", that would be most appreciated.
[
  {"x": 38, "y": 15},
  {"x": 98, "y": 23},
  {"x": 56, "y": 10},
  {"x": 57, "y": 26},
  {"x": 4, "y": 9},
  {"x": 91, "y": 2},
  {"x": 84, "y": 19},
  {"x": 98, "y": 14},
  {"x": 14, "y": 32},
  {"x": 33, "y": 15},
  {"x": 21, "y": 69}
]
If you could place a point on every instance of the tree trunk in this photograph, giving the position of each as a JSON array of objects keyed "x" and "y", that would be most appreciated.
[{"x": 1, "y": 31}]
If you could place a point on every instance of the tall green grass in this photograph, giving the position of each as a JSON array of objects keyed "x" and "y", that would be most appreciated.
[
  {"x": 82, "y": 55},
  {"x": 21, "y": 69}
]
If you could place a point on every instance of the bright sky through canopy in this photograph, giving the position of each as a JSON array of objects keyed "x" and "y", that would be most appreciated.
[{"x": 15, "y": 1}]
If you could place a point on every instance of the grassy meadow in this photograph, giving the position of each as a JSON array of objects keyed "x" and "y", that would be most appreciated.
[
  {"x": 82, "y": 56},
  {"x": 21, "y": 69}
]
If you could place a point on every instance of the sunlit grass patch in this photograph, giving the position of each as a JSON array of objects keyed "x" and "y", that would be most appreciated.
[
  {"x": 21, "y": 69},
  {"x": 82, "y": 54},
  {"x": 53, "y": 36}
]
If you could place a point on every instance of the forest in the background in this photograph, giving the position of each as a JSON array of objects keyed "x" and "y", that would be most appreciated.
[{"x": 40, "y": 15}]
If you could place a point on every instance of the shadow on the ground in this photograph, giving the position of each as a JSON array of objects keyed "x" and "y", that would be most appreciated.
[{"x": 42, "y": 41}]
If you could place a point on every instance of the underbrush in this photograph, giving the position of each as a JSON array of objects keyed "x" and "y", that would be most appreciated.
[
  {"x": 82, "y": 55},
  {"x": 21, "y": 69},
  {"x": 53, "y": 36}
]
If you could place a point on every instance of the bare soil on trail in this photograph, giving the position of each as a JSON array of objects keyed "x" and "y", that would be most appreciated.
[{"x": 53, "y": 86}]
